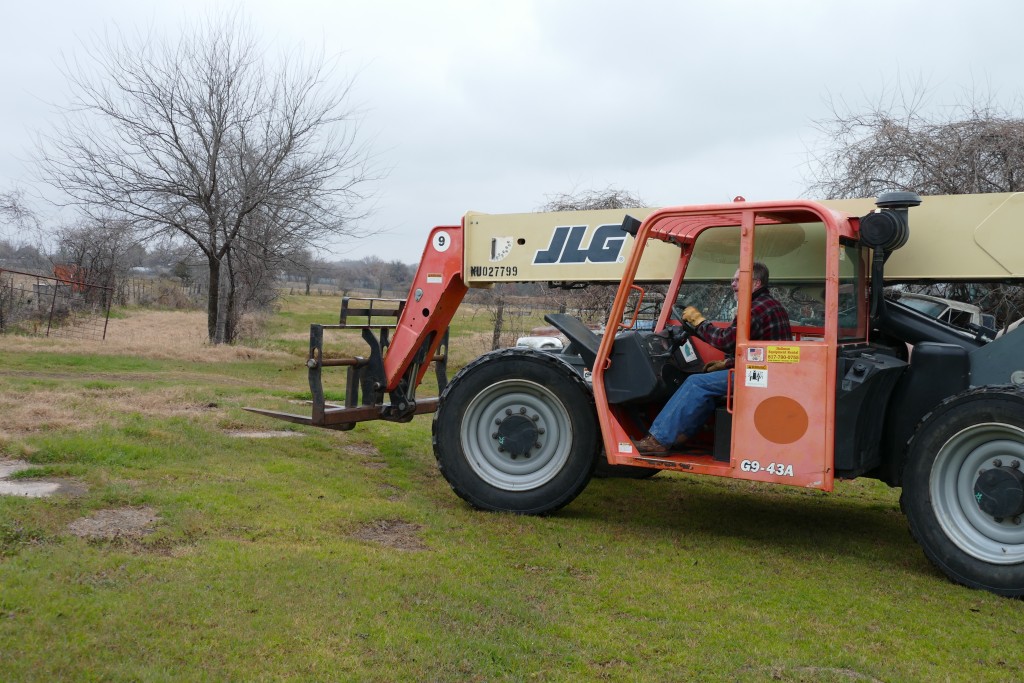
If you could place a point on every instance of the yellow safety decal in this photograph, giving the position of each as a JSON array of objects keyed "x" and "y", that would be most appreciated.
[{"x": 783, "y": 354}]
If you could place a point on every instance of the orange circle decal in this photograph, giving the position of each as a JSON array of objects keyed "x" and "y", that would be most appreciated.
[{"x": 780, "y": 419}]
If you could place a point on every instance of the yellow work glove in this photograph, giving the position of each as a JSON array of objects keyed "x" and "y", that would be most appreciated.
[
  {"x": 714, "y": 365},
  {"x": 692, "y": 316}
]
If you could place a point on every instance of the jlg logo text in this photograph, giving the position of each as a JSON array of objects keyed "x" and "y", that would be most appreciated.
[{"x": 567, "y": 245}]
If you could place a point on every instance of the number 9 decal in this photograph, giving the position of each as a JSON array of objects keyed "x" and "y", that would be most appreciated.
[{"x": 442, "y": 240}]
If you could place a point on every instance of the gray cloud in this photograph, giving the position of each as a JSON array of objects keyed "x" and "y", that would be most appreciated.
[{"x": 491, "y": 106}]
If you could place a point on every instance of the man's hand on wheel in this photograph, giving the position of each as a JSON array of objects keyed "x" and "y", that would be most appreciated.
[{"x": 692, "y": 316}]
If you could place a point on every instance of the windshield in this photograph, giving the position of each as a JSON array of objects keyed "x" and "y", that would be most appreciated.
[{"x": 797, "y": 277}]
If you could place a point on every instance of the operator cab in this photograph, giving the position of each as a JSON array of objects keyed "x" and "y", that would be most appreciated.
[{"x": 772, "y": 425}]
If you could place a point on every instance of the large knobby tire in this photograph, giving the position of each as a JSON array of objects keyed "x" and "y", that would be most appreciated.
[
  {"x": 516, "y": 432},
  {"x": 974, "y": 432}
]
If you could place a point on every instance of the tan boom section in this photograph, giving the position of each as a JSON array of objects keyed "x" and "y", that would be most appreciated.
[{"x": 952, "y": 237}]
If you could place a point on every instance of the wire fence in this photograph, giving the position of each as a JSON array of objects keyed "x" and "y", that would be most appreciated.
[{"x": 53, "y": 307}]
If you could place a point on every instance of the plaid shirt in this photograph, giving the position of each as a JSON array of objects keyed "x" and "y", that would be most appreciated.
[{"x": 768, "y": 322}]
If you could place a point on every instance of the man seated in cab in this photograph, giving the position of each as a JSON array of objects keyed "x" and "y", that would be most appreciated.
[{"x": 694, "y": 402}]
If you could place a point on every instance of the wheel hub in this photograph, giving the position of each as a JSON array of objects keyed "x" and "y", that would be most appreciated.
[
  {"x": 1000, "y": 492},
  {"x": 517, "y": 434}
]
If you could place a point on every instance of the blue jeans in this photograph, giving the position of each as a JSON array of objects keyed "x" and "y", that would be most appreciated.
[{"x": 690, "y": 407}]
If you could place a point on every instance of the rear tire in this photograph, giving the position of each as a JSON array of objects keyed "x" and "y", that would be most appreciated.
[
  {"x": 516, "y": 431},
  {"x": 973, "y": 432}
]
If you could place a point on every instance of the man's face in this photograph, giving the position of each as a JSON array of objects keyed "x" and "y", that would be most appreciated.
[{"x": 755, "y": 285}]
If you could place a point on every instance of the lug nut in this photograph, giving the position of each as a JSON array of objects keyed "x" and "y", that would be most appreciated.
[
  {"x": 540, "y": 431},
  {"x": 535, "y": 417},
  {"x": 497, "y": 421},
  {"x": 522, "y": 411},
  {"x": 1015, "y": 464},
  {"x": 494, "y": 435},
  {"x": 997, "y": 463},
  {"x": 537, "y": 445},
  {"x": 1016, "y": 520},
  {"x": 508, "y": 411}
]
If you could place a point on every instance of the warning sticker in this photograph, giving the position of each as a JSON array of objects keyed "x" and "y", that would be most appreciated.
[
  {"x": 757, "y": 376},
  {"x": 689, "y": 355},
  {"x": 783, "y": 354}
]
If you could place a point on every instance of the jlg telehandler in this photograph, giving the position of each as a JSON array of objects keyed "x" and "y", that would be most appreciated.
[{"x": 867, "y": 387}]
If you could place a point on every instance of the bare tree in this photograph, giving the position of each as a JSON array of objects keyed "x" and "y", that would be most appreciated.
[
  {"x": 380, "y": 275},
  {"x": 592, "y": 200},
  {"x": 203, "y": 137},
  {"x": 899, "y": 144},
  {"x": 17, "y": 216},
  {"x": 13, "y": 209},
  {"x": 97, "y": 253}
]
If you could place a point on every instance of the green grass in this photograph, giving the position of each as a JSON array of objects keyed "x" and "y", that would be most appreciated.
[{"x": 345, "y": 556}]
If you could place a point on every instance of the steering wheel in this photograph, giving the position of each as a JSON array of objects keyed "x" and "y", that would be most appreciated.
[{"x": 677, "y": 334}]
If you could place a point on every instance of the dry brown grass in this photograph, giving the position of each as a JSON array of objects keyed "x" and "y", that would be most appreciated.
[
  {"x": 160, "y": 335},
  {"x": 35, "y": 410}
]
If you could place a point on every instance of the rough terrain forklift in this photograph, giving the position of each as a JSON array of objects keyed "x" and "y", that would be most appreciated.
[{"x": 867, "y": 387}]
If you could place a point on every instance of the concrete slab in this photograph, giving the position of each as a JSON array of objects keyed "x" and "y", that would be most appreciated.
[{"x": 30, "y": 488}]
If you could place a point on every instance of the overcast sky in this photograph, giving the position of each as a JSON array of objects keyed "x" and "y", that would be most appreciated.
[{"x": 494, "y": 105}]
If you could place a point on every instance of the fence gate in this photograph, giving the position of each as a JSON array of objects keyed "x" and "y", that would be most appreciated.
[{"x": 53, "y": 307}]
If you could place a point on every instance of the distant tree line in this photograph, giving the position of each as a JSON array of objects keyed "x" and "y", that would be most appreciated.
[{"x": 108, "y": 254}]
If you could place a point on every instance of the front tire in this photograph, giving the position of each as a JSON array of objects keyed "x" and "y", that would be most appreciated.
[
  {"x": 516, "y": 431},
  {"x": 963, "y": 486}
]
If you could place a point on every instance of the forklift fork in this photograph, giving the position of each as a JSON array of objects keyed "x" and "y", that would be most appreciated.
[{"x": 365, "y": 383}]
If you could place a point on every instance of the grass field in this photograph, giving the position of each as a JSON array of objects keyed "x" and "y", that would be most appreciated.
[{"x": 191, "y": 544}]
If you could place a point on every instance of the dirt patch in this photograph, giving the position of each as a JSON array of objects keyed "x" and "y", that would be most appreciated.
[
  {"x": 391, "y": 533},
  {"x": 810, "y": 673},
  {"x": 119, "y": 523},
  {"x": 367, "y": 450},
  {"x": 369, "y": 455},
  {"x": 393, "y": 492}
]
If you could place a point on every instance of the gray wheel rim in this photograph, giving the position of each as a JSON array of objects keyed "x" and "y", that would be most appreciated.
[
  {"x": 496, "y": 466},
  {"x": 957, "y": 466}
]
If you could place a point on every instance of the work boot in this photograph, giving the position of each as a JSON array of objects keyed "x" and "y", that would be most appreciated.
[{"x": 649, "y": 444}]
